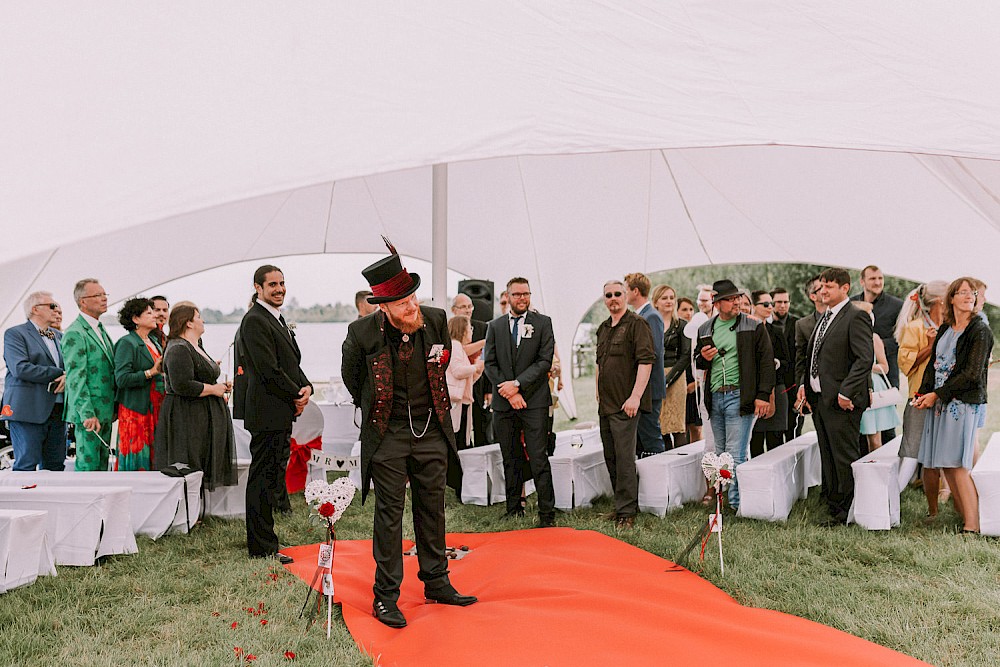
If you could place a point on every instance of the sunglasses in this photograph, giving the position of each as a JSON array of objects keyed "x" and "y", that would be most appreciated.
[
  {"x": 766, "y": 304},
  {"x": 52, "y": 306},
  {"x": 608, "y": 295}
]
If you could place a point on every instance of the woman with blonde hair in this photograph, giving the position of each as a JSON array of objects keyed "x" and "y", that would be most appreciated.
[
  {"x": 916, "y": 329},
  {"x": 676, "y": 362},
  {"x": 953, "y": 392}
]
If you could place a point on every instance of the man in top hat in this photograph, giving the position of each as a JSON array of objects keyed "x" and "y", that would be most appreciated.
[
  {"x": 736, "y": 352},
  {"x": 394, "y": 365}
]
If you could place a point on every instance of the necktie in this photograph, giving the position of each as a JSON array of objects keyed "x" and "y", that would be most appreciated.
[
  {"x": 513, "y": 332},
  {"x": 48, "y": 334},
  {"x": 104, "y": 336},
  {"x": 406, "y": 350},
  {"x": 820, "y": 333}
]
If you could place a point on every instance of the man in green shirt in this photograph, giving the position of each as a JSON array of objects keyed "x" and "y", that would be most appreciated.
[{"x": 736, "y": 351}]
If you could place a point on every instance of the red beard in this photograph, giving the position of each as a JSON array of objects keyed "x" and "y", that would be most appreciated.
[{"x": 407, "y": 326}]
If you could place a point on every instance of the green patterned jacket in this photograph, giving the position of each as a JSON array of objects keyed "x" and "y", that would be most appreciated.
[{"x": 90, "y": 375}]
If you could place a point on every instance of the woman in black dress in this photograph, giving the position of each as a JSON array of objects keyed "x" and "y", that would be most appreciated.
[{"x": 195, "y": 427}]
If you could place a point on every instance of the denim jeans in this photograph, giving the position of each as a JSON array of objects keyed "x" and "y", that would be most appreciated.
[{"x": 732, "y": 433}]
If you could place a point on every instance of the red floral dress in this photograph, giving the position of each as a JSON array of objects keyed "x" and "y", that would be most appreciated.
[{"x": 135, "y": 430}]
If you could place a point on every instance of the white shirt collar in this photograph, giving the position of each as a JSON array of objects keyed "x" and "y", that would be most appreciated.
[
  {"x": 836, "y": 309},
  {"x": 271, "y": 309},
  {"x": 92, "y": 321}
]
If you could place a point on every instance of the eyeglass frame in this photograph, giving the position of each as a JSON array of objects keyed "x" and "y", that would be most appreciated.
[{"x": 614, "y": 295}]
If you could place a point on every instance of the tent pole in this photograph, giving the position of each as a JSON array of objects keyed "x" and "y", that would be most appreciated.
[{"x": 439, "y": 235}]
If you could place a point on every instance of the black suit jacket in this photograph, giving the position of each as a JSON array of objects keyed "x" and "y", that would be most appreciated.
[
  {"x": 367, "y": 370},
  {"x": 845, "y": 359},
  {"x": 529, "y": 363},
  {"x": 268, "y": 376},
  {"x": 483, "y": 385}
]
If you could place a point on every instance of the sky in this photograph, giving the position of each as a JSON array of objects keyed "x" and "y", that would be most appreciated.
[{"x": 310, "y": 279}]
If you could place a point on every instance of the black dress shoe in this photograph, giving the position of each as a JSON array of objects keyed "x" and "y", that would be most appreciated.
[
  {"x": 514, "y": 514},
  {"x": 832, "y": 522},
  {"x": 388, "y": 613},
  {"x": 281, "y": 558},
  {"x": 546, "y": 521},
  {"x": 449, "y": 596}
]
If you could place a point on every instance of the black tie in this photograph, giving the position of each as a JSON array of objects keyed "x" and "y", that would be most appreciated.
[
  {"x": 513, "y": 332},
  {"x": 820, "y": 333}
]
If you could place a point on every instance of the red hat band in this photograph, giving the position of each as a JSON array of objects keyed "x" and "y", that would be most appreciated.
[{"x": 398, "y": 284}]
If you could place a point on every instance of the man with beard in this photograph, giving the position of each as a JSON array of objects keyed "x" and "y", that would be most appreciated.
[
  {"x": 161, "y": 311},
  {"x": 394, "y": 365},
  {"x": 269, "y": 392},
  {"x": 518, "y": 355}
]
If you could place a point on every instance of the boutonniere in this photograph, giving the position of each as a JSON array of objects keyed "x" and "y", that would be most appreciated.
[
  {"x": 438, "y": 355},
  {"x": 291, "y": 327},
  {"x": 527, "y": 331}
]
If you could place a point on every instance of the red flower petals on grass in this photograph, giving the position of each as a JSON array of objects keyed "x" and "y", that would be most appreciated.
[
  {"x": 289, "y": 655},
  {"x": 215, "y": 613},
  {"x": 233, "y": 626},
  {"x": 263, "y": 621}
]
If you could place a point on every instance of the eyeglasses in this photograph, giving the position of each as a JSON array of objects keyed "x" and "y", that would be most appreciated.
[
  {"x": 966, "y": 292},
  {"x": 93, "y": 296},
  {"x": 609, "y": 295},
  {"x": 519, "y": 295},
  {"x": 52, "y": 306},
  {"x": 777, "y": 301},
  {"x": 816, "y": 291}
]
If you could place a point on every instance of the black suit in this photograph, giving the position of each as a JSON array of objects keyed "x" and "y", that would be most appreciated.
[
  {"x": 845, "y": 359},
  {"x": 267, "y": 383},
  {"x": 391, "y": 453},
  {"x": 528, "y": 363}
]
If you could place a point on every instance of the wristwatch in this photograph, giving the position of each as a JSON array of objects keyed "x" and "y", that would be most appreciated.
[{"x": 517, "y": 383}]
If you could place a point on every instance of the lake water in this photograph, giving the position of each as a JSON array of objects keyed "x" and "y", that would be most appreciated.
[{"x": 320, "y": 343}]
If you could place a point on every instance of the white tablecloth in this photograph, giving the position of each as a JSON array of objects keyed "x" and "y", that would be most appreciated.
[
  {"x": 876, "y": 488},
  {"x": 771, "y": 483},
  {"x": 579, "y": 474},
  {"x": 812, "y": 466},
  {"x": 157, "y": 504},
  {"x": 84, "y": 522},
  {"x": 986, "y": 476},
  {"x": 25, "y": 552},
  {"x": 482, "y": 476},
  {"x": 339, "y": 431},
  {"x": 230, "y": 502},
  {"x": 669, "y": 479}
]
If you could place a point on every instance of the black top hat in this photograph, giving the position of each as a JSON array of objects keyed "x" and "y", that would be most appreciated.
[
  {"x": 388, "y": 279},
  {"x": 724, "y": 289}
]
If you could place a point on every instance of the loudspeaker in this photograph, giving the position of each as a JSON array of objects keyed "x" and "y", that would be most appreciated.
[{"x": 481, "y": 293}]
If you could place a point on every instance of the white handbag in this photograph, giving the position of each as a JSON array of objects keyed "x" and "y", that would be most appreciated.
[{"x": 884, "y": 397}]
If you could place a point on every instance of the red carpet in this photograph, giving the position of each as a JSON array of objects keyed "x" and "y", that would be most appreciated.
[{"x": 561, "y": 596}]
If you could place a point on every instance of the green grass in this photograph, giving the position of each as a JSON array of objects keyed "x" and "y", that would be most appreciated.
[{"x": 923, "y": 590}]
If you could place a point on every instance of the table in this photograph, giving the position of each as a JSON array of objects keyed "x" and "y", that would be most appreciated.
[
  {"x": 770, "y": 484},
  {"x": 482, "y": 476},
  {"x": 25, "y": 552},
  {"x": 669, "y": 479},
  {"x": 157, "y": 503},
  {"x": 986, "y": 476},
  {"x": 230, "y": 502},
  {"x": 876, "y": 488},
  {"x": 83, "y": 522},
  {"x": 579, "y": 474}
]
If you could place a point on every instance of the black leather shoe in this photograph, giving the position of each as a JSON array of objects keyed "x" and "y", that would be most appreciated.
[
  {"x": 449, "y": 596},
  {"x": 832, "y": 522},
  {"x": 281, "y": 558},
  {"x": 546, "y": 521},
  {"x": 515, "y": 514},
  {"x": 388, "y": 613}
]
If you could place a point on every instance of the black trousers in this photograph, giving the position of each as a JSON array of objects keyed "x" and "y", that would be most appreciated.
[
  {"x": 424, "y": 462},
  {"x": 837, "y": 432},
  {"x": 534, "y": 422},
  {"x": 266, "y": 490}
]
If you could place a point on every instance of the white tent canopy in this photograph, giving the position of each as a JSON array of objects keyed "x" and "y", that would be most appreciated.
[{"x": 585, "y": 139}]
